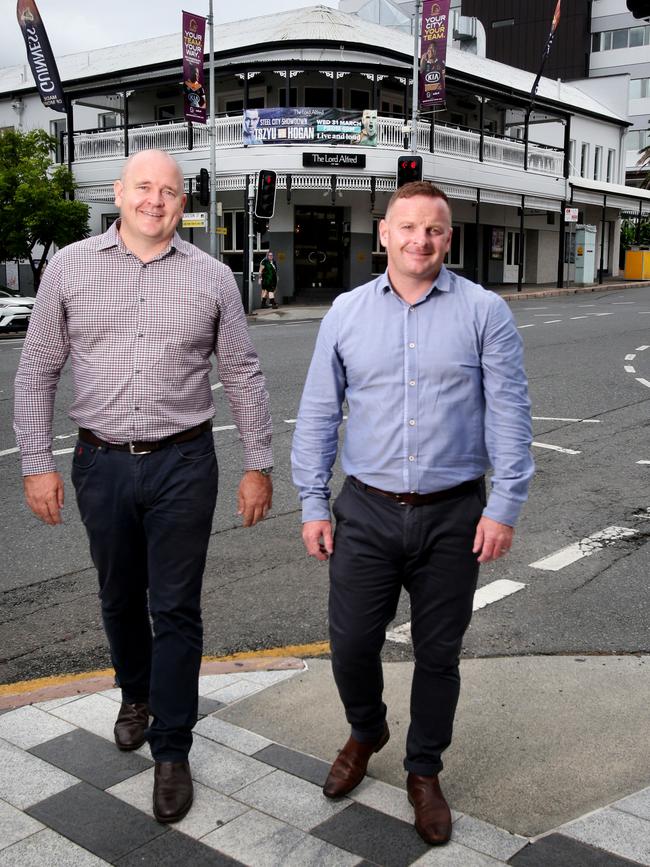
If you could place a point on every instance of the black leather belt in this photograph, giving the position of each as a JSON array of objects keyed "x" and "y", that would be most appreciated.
[
  {"x": 411, "y": 499},
  {"x": 143, "y": 448}
]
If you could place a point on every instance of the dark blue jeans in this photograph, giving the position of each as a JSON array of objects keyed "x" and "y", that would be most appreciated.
[
  {"x": 381, "y": 546},
  {"x": 148, "y": 519}
]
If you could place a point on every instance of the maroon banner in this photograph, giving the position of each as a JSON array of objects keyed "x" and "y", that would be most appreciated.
[
  {"x": 40, "y": 57},
  {"x": 433, "y": 53},
  {"x": 195, "y": 101}
]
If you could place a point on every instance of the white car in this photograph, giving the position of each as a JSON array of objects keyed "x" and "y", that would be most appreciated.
[{"x": 15, "y": 311}]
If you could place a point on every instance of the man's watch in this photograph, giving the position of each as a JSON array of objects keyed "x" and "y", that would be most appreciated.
[{"x": 266, "y": 471}]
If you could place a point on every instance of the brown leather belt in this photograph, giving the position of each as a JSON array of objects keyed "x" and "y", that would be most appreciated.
[
  {"x": 143, "y": 448},
  {"x": 411, "y": 499}
]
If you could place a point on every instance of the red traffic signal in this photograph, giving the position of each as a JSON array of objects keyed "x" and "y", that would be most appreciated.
[
  {"x": 409, "y": 169},
  {"x": 265, "y": 198}
]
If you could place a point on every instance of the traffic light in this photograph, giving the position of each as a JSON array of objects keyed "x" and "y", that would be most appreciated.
[
  {"x": 408, "y": 169},
  {"x": 265, "y": 198},
  {"x": 639, "y": 8},
  {"x": 260, "y": 226},
  {"x": 203, "y": 186}
]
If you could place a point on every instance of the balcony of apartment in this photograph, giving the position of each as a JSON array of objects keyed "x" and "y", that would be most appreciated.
[{"x": 435, "y": 138}]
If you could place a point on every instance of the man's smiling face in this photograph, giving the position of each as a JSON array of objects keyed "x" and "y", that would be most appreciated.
[{"x": 151, "y": 200}]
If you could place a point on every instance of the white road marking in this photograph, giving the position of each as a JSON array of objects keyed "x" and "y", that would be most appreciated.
[
  {"x": 8, "y": 452},
  {"x": 224, "y": 427},
  {"x": 630, "y": 357},
  {"x": 294, "y": 420},
  {"x": 643, "y": 381},
  {"x": 554, "y": 418},
  {"x": 66, "y": 436},
  {"x": 216, "y": 386},
  {"x": 628, "y": 368},
  {"x": 534, "y": 308},
  {"x": 63, "y": 451},
  {"x": 579, "y": 317},
  {"x": 551, "y": 321},
  {"x": 641, "y": 348},
  {"x": 643, "y": 462},
  {"x": 556, "y": 448},
  {"x": 532, "y": 325},
  {"x": 484, "y": 596},
  {"x": 586, "y": 305},
  {"x": 604, "y": 314},
  {"x": 623, "y": 302},
  {"x": 584, "y": 548}
]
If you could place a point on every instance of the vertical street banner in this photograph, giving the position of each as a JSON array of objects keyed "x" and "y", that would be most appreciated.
[
  {"x": 194, "y": 98},
  {"x": 40, "y": 57},
  {"x": 433, "y": 53}
]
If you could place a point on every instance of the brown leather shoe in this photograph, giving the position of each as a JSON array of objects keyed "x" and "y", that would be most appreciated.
[
  {"x": 172, "y": 791},
  {"x": 131, "y": 722},
  {"x": 351, "y": 763},
  {"x": 432, "y": 813}
]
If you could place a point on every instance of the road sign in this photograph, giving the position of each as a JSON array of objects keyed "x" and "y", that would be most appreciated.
[
  {"x": 198, "y": 220},
  {"x": 570, "y": 215}
]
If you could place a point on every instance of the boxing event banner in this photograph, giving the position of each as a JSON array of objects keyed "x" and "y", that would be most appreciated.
[
  {"x": 433, "y": 53},
  {"x": 40, "y": 57},
  {"x": 314, "y": 125},
  {"x": 194, "y": 99}
]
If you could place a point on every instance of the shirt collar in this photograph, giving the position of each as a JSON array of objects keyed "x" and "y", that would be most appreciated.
[
  {"x": 442, "y": 283},
  {"x": 111, "y": 238}
]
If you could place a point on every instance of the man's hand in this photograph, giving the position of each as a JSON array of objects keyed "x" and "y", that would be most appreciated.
[
  {"x": 44, "y": 496},
  {"x": 318, "y": 539},
  {"x": 254, "y": 497},
  {"x": 492, "y": 539}
]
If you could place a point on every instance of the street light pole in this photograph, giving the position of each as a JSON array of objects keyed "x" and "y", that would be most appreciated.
[
  {"x": 212, "y": 133},
  {"x": 416, "y": 77}
]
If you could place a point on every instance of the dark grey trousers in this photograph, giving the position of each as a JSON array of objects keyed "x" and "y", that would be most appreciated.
[{"x": 381, "y": 546}]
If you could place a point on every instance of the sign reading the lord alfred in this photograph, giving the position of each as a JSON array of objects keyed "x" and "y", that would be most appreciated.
[
  {"x": 334, "y": 161},
  {"x": 305, "y": 125}
]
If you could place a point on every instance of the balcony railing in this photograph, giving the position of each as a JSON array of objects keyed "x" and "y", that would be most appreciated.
[{"x": 446, "y": 140}]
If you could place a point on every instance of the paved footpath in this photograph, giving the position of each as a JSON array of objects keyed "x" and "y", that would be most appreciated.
[{"x": 69, "y": 797}]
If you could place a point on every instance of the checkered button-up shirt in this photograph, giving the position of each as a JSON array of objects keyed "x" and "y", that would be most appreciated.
[{"x": 140, "y": 336}]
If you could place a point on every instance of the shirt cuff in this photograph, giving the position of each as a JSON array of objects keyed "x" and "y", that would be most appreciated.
[
  {"x": 316, "y": 509},
  {"x": 503, "y": 510},
  {"x": 35, "y": 465}
]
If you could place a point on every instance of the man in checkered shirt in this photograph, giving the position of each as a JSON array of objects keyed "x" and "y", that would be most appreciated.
[{"x": 140, "y": 312}]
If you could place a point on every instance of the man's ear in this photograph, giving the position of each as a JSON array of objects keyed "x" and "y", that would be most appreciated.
[
  {"x": 117, "y": 189},
  {"x": 383, "y": 231}
]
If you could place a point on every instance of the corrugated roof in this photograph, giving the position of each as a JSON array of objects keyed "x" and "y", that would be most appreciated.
[{"x": 309, "y": 24}]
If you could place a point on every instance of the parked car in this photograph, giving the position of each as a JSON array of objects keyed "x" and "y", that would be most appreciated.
[{"x": 15, "y": 311}]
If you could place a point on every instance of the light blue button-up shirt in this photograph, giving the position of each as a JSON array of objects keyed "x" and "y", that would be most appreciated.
[{"x": 436, "y": 394}]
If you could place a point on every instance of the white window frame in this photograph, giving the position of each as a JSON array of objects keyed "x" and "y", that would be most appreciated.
[
  {"x": 598, "y": 162},
  {"x": 584, "y": 159}
]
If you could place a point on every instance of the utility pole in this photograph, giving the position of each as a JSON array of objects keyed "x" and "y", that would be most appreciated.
[{"x": 212, "y": 133}]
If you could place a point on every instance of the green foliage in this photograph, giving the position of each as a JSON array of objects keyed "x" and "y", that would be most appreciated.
[
  {"x": 630, "y": 231},
  {"x": 35, "y": 208}
]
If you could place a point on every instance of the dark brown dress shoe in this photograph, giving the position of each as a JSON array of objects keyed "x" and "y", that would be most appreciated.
[
  {"x": 350, "y": 765},
  {"x": 131, "y": 722},
  {"x": 172, "y": 791},
  {"x": 432, "y": 813}
]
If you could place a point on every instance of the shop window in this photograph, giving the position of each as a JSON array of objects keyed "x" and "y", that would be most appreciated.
[
  {"x": 455, "y": 257},
  {"x": 108, "y": 120},
  {"x": 165, "y": 112}
]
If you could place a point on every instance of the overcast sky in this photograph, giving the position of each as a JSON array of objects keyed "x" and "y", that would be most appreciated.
[{"x": 78, "y": 25}]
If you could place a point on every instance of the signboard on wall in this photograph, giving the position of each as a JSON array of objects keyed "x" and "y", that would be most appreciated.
[
  {"x": 334, "y": 160},
  {"x": 303, "y": 125}
]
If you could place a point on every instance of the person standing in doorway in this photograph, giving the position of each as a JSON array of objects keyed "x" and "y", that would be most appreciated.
[
  {"x": 268, "y": 279},
  {"x": 140, "y": 312},
  {"x": 431, "y": 368}
]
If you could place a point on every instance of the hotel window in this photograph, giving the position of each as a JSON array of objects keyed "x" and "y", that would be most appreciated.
[
  {"x": 639, "y": 88},
  {"x": 108, "y": 120},
  {"x": 584, "y": 160},
  {"x": 598, "y": 158},
  {"x": 611, "y": 157},
  {"x": 628, "y": 37},
  {"x": 572, "y": 157}
]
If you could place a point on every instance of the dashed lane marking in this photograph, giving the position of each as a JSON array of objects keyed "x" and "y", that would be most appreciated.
[
  {"x": 216, "y": 386},
  {"x": 629, "y": 369},
  {"x": 556, "y": 448},
  {"x": 584, "y": 548},
  {"x": 552, "y": 321},
  {"x": 643, "y": 381},
  {"x": 643, "y": 462},
  {"x": 532, "y": 325},
  {"x": 558, "y": 418},
  {"x": 641, "y": 348},
  {"x": 579, "y": 317},
  {"x": 630, "y": 356},
  {"x": 484, "y": 596}
]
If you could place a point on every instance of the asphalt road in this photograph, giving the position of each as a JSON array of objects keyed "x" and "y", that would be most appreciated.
[{"x": 588, "y": 362}]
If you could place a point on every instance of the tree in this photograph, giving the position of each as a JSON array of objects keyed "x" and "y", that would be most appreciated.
[
  {"x": 35, "y": 204},
  {"x": 644, "y": 160}
]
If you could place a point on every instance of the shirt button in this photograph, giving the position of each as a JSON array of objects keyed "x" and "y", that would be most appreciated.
[
  {"x": 412, "y": 422},
  {"x": 411, "y": 345},
  {"x": 411, "y": 457},
  {"x": 136, "y": 408},
  {"x": 141, "y": 334},
  {"x": 411, "y": 309},
  {"x": 412, "y": 382}
]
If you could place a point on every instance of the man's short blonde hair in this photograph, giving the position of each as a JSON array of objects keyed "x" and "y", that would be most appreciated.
[{"x": 417, "y": 188}]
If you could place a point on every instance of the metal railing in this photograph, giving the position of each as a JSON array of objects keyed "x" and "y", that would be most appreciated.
[{"x": 446, "y": 140}]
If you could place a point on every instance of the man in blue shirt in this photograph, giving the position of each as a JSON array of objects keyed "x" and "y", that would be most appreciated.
[{"x": 431, "y": 367}]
